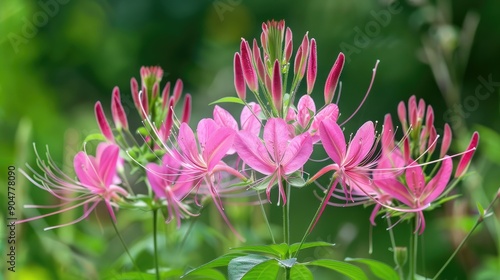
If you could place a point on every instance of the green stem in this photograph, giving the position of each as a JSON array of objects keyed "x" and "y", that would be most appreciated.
[
  {"x": 413, "y": 251},
  {"x": 399, "y": 268},
  {"x": 286, "y": 226},
  {"x": 479, "y": 220},
  {"x": 125, "y": 246},
  {"x": 311, "y": 224},
  {"x": 155, "y": 243},
  {"x": 266, "y": 220}
]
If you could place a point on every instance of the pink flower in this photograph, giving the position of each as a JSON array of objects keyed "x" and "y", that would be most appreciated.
[
  {"x": 352, "y": 163},
  {"x": 201, "y": 157},
  {"x": 278, "y": 156},
  {"x": 171, "y": 184},
  {"x": 98, "y": 181},
  {"x": 418, "y": 194}
]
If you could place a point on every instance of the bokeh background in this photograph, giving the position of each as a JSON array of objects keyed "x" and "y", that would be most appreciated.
[{"x": 58, "y": 57}]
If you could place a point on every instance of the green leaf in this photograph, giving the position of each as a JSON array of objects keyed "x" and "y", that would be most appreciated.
[
  {"x": 347, "y": 269},
  {"x": 265, "y": 270},
  {"x": 228, "y": 99},
  {"x": 239, "y": 266},
  {"x": 205, "y": 274},
  {"x": 277, "y": 250},
  {"x": 379, "y": 269},
  {"x": 288, "y": 263},
  {"x": 480, "y": 209},
  {"x": 223, "y": 260},
  {"x": 294, "y": 247},
  {"x": 94, "y": 137},
  {"x": 300, "y": 271},
  {"x": 295, "y": 179}
]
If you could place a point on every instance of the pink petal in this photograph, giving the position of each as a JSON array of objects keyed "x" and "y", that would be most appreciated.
[
  {"x": 297, "y": 153},
  {"x": 187, "y": 143},
  {"x": 415, "y": 180},
  {"x": 154, "y": 173},
  {"x": 305, "y": 110},
  {"x": 253, "y": 152},
  {"x": 331, "y": 111},
  {"x": 204, "y": 130},
  {"x": 333, "y": 140},
  {"x": 249, "y": 118},
  {"x": 276, "y": 138},
  {"x": 361, "y": 144},
  {"x": 107, "y": 163},
  {"x": 436, "y": 185},
  {"x": 219, "y": 143},
  {"x": 85, "y": 170},
  {"x": 224, "y": 118}
]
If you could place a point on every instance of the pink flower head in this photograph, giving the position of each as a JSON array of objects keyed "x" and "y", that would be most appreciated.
[
  {"x": 352, "y": 163},
  {"x": 418, "y": 193},
  {"x": 278, "y": 156},
  {"x": 97, "y": 181},
  {"x": 172, "y": 185},
  {"x": 201, "y": 157}
]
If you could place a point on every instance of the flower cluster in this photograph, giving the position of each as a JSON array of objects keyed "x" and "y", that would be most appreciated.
[{"x": 268, "y": 148}]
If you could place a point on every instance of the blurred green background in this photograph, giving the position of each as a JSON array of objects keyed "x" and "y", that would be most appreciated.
[{"x": 57, "y": 58}]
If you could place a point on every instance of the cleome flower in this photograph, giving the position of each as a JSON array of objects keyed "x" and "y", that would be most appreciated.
[{"x": 97, "y": 182}]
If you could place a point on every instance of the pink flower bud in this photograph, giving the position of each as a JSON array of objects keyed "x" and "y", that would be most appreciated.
[
  {"x": 402, "y": 115},
  {"x": 186, "y": 111},
  {"x": 177, "y": 91},
  {"x": 165, "y": 95},
  {"x": 103, "y": 122},
  {"x": 144, "y": 102},
  {"x": 277, "y": 87},
  {"x": 466, "y": 158},
  {"x": 134, "y": 87},
  {"x": 306, "y": 109},
  {"x": 288, "y": 44},
  {"x": 298, "y": 61},
  {"x": 247, "y": 66},
  {"x": 305, "y": 55},
  {"x": 258, "y": 61},
  {"x": 239, "y": 79},
  {"x": 412, "y": 110},
  {"x": 431, "y": 145},
  {"x": 117, "y": 111},
  {"x": 312, "y": 67},
  {"x": 429, "y": 119},
  {"x": 155, "y": 92},
  {"x": 166, "y": 127},
  {"x": 333, "y": 78},
  {"x": 445, "y": 145}
]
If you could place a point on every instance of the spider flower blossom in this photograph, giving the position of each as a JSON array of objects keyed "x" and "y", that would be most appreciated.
[
  {"x": 278, "y": 156},
  {"x": 97, "y": 182},
  {"x": 352, "y": 163},
  {"x": 201, "y": 157},
  {"x": 171, "y": 184}
]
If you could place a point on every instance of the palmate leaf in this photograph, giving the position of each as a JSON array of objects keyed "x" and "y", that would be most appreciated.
[
  {"x": 218, "y": 262},
  {"x": 267, "y": 270},
  {"x": 300, "y": 271},
  {"x": 347, "y": 269},
  {"x": 240, "y": 266},
  {"x": 276, "y": 250},
  {"x": 379, "y": 269}
]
